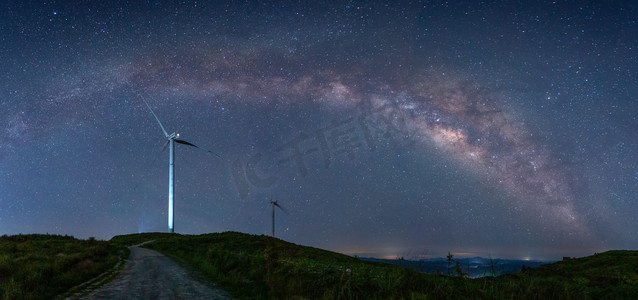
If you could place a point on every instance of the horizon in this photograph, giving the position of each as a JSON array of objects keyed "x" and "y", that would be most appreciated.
[
  {"x": 384, "y": 253},
  {"x": 421, "y": 127}
]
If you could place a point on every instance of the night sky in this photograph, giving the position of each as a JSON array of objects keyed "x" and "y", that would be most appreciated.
[{"x": 385, "y": 129}]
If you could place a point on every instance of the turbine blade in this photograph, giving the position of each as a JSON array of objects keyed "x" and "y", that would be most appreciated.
[
  {"x": 154, "y": 115},
  {"x": 160, "y": 152},
  {"x": 186, "y": 143},
  {"x": 152, "y": 164},
  {"x": 280, "y": 207},
  {"x": 198, "y": 147}
]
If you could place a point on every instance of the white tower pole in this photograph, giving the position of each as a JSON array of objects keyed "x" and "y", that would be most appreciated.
[{"x": 170, "y": 184}]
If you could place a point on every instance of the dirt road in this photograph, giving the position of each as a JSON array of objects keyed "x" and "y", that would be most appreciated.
[{"x": 150, "y": 275}]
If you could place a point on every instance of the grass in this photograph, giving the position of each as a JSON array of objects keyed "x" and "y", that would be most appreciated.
[
  {"x": 262, "y": 267},
  {"x": 40, "y": 266},
  {"x": 253, "y": 266},
  {"x": 612, "y": 275}
]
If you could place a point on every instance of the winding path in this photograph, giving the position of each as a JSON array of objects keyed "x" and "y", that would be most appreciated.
[{"x": 150, "y": 275}]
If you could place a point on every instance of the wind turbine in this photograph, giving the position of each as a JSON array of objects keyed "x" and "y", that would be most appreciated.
[
  {"x": 274, "y": 203},
  {"x": 171, "y": 140}
]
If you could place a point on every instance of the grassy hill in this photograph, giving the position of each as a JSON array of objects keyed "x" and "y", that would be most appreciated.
[
  {"x": 612, "y": 275},
  {"x": 38, "y": 266},
  {"x": 262, "y": 267},
  {"x": 253, "y": 266}
]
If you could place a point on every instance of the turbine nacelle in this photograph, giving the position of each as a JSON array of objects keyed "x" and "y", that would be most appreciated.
[{"x": 173, "y": 136}]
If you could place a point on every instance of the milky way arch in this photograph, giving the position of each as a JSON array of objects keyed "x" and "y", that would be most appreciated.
[{"x": 453, "y": 115}]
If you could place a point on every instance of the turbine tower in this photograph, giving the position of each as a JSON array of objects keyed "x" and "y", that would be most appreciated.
[
  {"x": 171, "y": 140},
  {"x": 274, "y": 203}
]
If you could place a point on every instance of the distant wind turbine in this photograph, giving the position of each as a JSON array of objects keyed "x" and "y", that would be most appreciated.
[
  {"x": 171, "y": 140},
  {"x": 274, "y": 203}
]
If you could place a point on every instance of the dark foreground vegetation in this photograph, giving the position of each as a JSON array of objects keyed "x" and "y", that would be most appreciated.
[
  {"x": 38, "y": 266},
  {"x": 262, "y": 267},
  {"x": 254, "y": 266}
]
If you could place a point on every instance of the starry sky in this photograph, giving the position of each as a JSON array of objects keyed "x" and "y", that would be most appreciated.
[{"x": 385, "y": 129}]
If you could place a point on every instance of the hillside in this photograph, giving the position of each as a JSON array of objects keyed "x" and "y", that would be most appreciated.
[
  {"x": 612, "y": 274},
  {"x": 38, "y": 266},
  {"x": 257, "y": 266}
]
